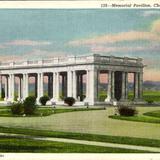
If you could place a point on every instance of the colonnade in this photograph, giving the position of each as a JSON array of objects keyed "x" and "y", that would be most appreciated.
[{"x": 72, "y": 85}]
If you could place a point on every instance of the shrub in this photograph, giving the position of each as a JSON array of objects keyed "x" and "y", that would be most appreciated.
[
  {"x": 69, "y": 100},
  {"x": 150, "y": 101},
  {"x": 29, "y": 105},
  {"x": 82, "y": 97},
  {"x": 43, "y": 100},
  {"x": 127, "y": 110},
  {"x": 17, "y": 108}
]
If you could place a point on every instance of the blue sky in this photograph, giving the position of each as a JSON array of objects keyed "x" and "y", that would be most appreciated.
[{"x": 39, "y": 33}]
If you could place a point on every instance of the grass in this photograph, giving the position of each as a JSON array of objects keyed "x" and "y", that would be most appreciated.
[
  {"x": 153, "y": 114},
  {"x": 148, "y": 95},
  {"x": 46, "y": 111},
  {"x": 147, "y": 117},
  {"x": 75, "y": 110},
  {"x": 39, "y": 112},
  {"x": 84, "y": 136},
  {"x": 139, "y": 118},
  {"x": 8, "y": 144}
]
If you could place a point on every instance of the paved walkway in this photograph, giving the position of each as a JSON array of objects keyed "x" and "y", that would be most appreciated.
[{"x": 84, "y": 142}]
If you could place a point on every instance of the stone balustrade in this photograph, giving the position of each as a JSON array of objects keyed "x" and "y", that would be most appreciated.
[{"x": 74, "y": 60}]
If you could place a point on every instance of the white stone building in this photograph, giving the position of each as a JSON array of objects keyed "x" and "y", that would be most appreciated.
[{"x": 71, "y": 69}]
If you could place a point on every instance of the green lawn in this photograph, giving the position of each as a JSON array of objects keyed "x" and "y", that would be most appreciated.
[
  {"x": 148, "y": 95},
  {"x": 43, "y": 111},
  {"x": 53, "y": 125},
  {"x": 84, "y": 136},
  {"x": 147, "y": 117},
  {"x": 6, "y": 112},
  {"x": 8, "y": 144},
  {"x": 153, "y": 114},
  {"x": 92, "y": 122},
  {"x": 139, "y": 118}
]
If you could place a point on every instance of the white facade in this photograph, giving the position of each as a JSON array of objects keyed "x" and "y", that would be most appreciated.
[{"x": 72, "y": 69}]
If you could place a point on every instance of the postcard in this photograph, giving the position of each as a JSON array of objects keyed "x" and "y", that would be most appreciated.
[{"x": 80, "y": 80}]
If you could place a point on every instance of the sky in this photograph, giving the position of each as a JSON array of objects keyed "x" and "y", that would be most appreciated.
[{"x": 45, "y": 33}]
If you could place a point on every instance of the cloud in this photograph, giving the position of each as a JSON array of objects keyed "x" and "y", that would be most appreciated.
[
  {"x": 9, "y": 58},
  {"x": 107, "y": 43},
  {"x": 37, "y": 53},
  {"x": 2, "y": 46},
  {"x": 108, "y": 49},
  {"x": 114, "y": 38},
  {"x": 34, "y": 54},
  {"x": 156, "y": 26},
  {"x": 151, "y": 74},
  {"x": 150, "y": 13},
  {"x": 27, "y": 43}
]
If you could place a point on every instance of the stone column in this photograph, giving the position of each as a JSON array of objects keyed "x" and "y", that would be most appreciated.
[
  {"x": 11, "y": 87},
  {"x": 74, "y": 87},
  {"x": 136, "y": 86},
  {"x": 123, "y": 86},
  {"x": 38, "y": 83},
  {"x": 0, "y": 86},
  {"x": 27, "y": 77},
  {"x": 113, "y": 85},
  {"x": 69, "y": 83},
  {"x": 78, "y": 86},
  {"x": 19, "y": 89},
  {"x": 87, "y": 86},
  {"x": 57, "y": 86},
  {"x": 24, "y": 86},
  {"x": 6, "y": 88},
  {"x": 41, "y": 84},
  {"x": 109, "y": 89},
  {"x": 126, "y": 86},
  {"x": 98, "y": 81},
  {"x": 140, "y": 85},
  {"x": 81, "y": 86},
  {"x": 50, "y": 86},
  {"x": 54, "y": 86},
  {"x": 93, "y": 86},
  {"x": 63, "y": 85}
]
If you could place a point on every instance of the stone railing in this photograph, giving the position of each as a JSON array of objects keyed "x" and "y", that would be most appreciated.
[
  {"x": 117, "y": 60},
  {"x": 73, "y": 60}
]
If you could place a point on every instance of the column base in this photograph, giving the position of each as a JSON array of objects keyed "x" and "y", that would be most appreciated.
[
  {"x": 85, "y": 99},
  {"x": 20, "y": 99},
  {"x": 111, "y": 101},
  {"x": 5, "y": 99},
  {"x": 10, "y": 100},
  {"x": 108, "y": 100},
  {"x": 138, "y": 101},
  {"x": 86, "y": 102},
  {"x": 124, "y": 102},
  {"x": 37, "y": 101},
  {"x": 52, "y": 101},
  {"x": 114, "y": 102}
]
